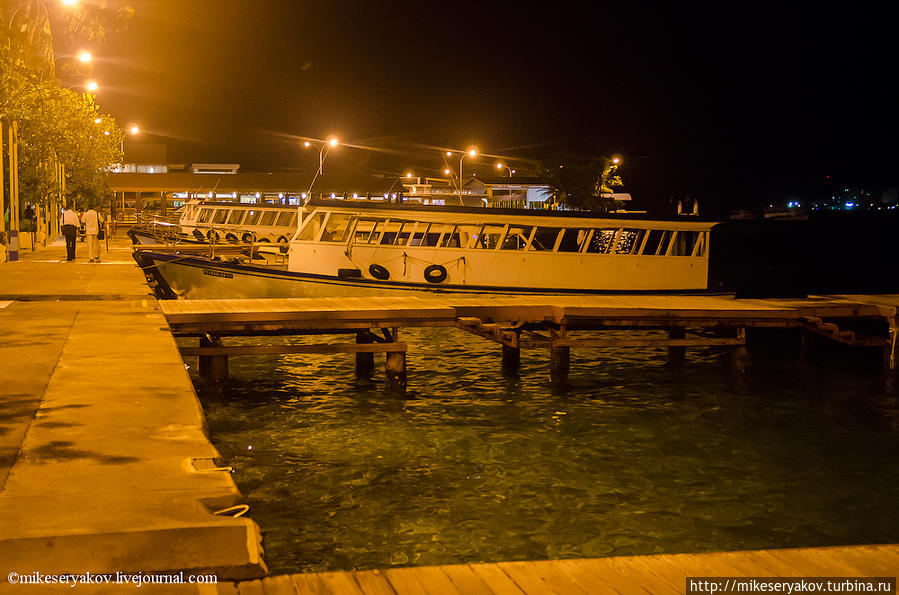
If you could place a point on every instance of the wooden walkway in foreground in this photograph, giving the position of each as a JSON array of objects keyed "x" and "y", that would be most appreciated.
[{"x": 624, "y": 575}]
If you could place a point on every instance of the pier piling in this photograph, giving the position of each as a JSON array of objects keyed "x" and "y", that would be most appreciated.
[
  {"x": 559, "y": 360},
  {"x": 395, "y": 365},
  {"x": 213, "y": 368},
  {"x": 677, "y": 354},
  {"x": 365, "y": 361},
  {"x": 511, "y": 361}
]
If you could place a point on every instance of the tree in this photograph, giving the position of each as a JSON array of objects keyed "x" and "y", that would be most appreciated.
[
  {"x": 582, "y": 183},
  {"x": 55, "y": 125}
]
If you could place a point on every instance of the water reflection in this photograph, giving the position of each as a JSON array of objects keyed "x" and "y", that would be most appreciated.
[{"x": 634, "y": 458}]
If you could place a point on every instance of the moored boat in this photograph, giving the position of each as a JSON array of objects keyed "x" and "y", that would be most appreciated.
[{"x": 358, "y": 248}]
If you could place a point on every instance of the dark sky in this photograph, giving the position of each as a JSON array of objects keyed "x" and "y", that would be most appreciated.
[{"x": 732, "y": 103}]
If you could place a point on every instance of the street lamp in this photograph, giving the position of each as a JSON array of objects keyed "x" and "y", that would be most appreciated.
[
  {"x": 84, "y": 56},
  {"x": 502, "y": 165},
  {"x": 471, "y": 153},
  {"x": 91, "y": 86},
  {"x": 326, "y": 145}
]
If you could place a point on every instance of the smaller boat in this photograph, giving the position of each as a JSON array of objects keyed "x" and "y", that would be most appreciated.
[{"x": 218, "y": 222}]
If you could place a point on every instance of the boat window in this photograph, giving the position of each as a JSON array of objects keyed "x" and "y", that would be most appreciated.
[
  {"x": 387, "y": 232},
  {"x": 601, "y": 241},
  {"x": 545, "y": 238},
  {"x": 236, "y": 217},
  {"x": 573, "y": 239},
  {"x": 427, "y": 236},
  {"x": 268, "y": 218},
  {"x": 364, "y": 230},
  {"x": 487, "y": 237},
  {"x": 516, "y": 238},
  {"x": 657, "y": 242},
  {"x": 221, "y": 215},
  {"x": 311, "y": 227},
  {"x": 628, "y": 241},
  {"x": 252, "y": 217},
  {"x": 205, "y": 214},
  {"x": 685, "y": 243},
  {"x": 402, "y": 235},
  {"x": 337, "y": 228},
  {"x": 286, "y": 219}
]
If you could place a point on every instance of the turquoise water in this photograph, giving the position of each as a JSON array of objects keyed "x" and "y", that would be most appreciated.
[{"x": 633, "y": 458}]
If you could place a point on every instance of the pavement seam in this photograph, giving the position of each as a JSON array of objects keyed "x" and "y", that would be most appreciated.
[{"x": 15, "y": 458}]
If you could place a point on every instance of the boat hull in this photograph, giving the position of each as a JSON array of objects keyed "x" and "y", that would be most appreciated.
[{"x": 193, "y": 277}]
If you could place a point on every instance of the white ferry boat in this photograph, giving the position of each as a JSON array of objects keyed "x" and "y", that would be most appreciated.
[
  {"x": 344, "y": 248},
  {"x": 223, "y": 222}
]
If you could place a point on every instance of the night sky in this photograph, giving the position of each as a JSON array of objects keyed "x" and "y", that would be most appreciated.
[{"x": 735, "y": 104}]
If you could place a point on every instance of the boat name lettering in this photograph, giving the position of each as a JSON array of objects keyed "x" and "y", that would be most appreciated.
[{"x": 215, "y": 273}]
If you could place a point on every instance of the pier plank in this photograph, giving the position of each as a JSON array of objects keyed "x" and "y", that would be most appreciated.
[
  {"x": 373, "y": 582},
  {"x": 624, "y": 575}
]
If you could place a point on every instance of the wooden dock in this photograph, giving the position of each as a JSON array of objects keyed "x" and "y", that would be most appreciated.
[
  {"x": 625, "y": 575},
  {"x": 530, "y": 322}
]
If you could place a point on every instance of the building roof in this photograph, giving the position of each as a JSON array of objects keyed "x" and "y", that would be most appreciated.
[{"x": 250, "y": 183}]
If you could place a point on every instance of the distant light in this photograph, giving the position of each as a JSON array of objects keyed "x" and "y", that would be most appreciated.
[
  {"x": 84, "y": 56},
  {"x": 307, "y": 144},
  {"x": 499, "y": 166},
  {"x": 449, "y": 153},
  {"x": 92, "y": 86},
  {"x": 849, "y": 205},
  {"x": 355, "y": 195},
  {"x": 333, "y": 141},
  {"x": 333, "y": 195},
  {"x": 303, "y": 195},
  {"x": 69, "y": 2},
  {"x": 134, "y": 129},
  {"x": 98, "y": 120},
  {"x": 280, "y": 195},
  {"x": 385, "y": 195},
  {"x": 472, "y": 152},
  {"x": 250, "y": 447},
  {"x": 616, "y": 160},
  {"x": 393, "y": 195},
  {"x": 446, "y": 171},
  {"x": 151, "y": 170},
  {"x": 233, "y": 195},
  {"x": 106, "y": 132},
  {"x": 408, "y": 174},
  {"x": 514, "y": 171},
  {"x": 257, "y": 195}
]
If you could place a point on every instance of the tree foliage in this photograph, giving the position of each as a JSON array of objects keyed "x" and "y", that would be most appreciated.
[
  {"x": 581, "y": 183},
  {"x": 55, "y": 124}
]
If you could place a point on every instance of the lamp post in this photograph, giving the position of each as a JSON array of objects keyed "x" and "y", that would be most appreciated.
[
  {"x": 502, "y": 165},
  {"x": 326, "y": 146},
  {"x": 472, "y": 153}
]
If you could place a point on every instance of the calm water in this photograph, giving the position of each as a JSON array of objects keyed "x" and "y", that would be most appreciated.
[{"x": 634, "y": 458}]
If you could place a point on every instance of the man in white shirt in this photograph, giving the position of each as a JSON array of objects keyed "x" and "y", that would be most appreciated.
[
  {"x": 70, "y": 224},
  {"x": 91, "y": 220}
]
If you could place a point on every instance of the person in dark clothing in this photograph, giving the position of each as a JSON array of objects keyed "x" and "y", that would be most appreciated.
[{"x": 70, "y": 223}]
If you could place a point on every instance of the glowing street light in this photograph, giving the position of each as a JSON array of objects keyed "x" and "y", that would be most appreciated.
[
  {"x": 69, "y": 2},
  {"x": 326, "y": 145},
  {"x": 84, "y": 56},
  {"x": 502, "y": 165},
  {"x": 134, "y": 129},
  {"x": 471, "y": 153},
  {"x": 92, "y": 86},
  {"x": 97, "y": 120}
]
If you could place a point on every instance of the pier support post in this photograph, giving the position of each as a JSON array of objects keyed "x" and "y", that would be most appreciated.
[
  {"x": 740, "y": 359},
  {"x": 559, "y": 360},
  {"x": 365, "y": 362},
  {"x": 395, "y": 367},
  {"x": 213, "y": 368},
  {"x": 511, "y": 361},
  {"x": 677, "y": 354}
]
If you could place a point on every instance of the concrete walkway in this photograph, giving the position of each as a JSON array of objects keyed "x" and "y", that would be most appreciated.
[{"x": 104, "y": 463}]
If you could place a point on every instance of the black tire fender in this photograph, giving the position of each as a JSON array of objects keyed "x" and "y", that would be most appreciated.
[
  {"x": 436, "y": 273},
  {"x": 378, "y": 272}
]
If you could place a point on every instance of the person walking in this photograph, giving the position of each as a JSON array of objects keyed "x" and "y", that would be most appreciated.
[
  {"x": 91, "y": 220},
  {"x": 70, "y": 224}
]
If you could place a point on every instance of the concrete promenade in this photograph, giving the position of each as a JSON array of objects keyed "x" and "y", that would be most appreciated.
[{"x": 104, "y": 463}]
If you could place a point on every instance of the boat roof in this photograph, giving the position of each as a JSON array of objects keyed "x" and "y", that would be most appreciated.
[{"x": 383, "y": 207}]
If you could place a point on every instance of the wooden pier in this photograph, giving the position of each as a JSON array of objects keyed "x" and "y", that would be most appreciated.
[
  {"x": 516, "y": 323},
  {"x": 625, "y": 574}
]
